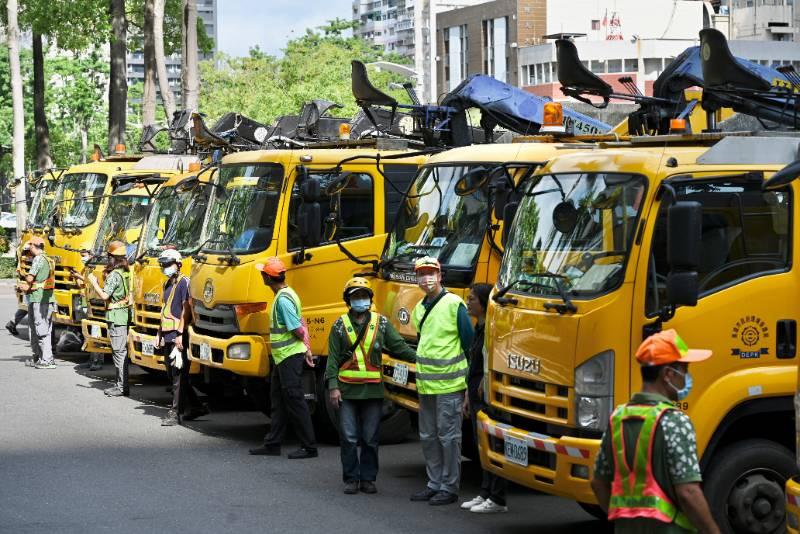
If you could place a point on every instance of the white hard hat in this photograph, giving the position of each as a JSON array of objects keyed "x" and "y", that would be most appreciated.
[{"x": 169, "y": 255}]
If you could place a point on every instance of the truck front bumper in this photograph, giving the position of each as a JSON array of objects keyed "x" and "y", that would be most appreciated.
[{"x": 216, "y": 352}]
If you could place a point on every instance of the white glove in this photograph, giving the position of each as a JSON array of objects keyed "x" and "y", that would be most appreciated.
[{"x": 175, "y": 356}]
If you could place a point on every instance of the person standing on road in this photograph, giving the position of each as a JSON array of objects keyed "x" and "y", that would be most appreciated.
[
  {"x": 96, "y": 359},
  {"x": 172, "y": 335},
  {"x": 289, "y": 347},
  {"x": 355, "y": 346},
  {"x": 39, "y": 285},
  {"x": 492, "y": 498},
  {"x": 117, "y": 295},
  {"x": 445, "y": 335},
  {"x": 20, "y": 314},
  {"x": 646, "y": 475}
]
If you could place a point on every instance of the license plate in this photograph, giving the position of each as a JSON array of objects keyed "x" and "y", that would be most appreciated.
[
  {"x": 205, "y": 351},
  {"x": 516, "y": 451},
  {"x": 400, "y": 374},
  {"x": 148, "y": 348},
  {"x": 94, "y": 331}
]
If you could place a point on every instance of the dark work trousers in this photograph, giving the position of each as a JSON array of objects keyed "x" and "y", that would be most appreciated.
[
  {"x": 360, "y": 422},
  {"x": 19, "y": 315},
  {"x": 492, "y": 487},
  {"x": 183, "y": 395},
  {"x": 289, "y": 404}
]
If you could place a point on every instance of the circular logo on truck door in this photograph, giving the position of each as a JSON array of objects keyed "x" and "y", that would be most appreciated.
[
  {"x": 403, "y": 316},
  {"x": 208, "y": 291}
]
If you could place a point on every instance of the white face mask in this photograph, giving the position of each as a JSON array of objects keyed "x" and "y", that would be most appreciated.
[
  {"x": 85, "y": 259},
  {"x": 427, "y": 282},
  {"x": 170, "y": 271},
  {"x": 360, "y": 305}
]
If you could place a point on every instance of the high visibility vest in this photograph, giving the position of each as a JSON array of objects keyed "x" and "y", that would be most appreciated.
[
  {"x": 127, "y": 300},
  {"x": 282, "y": 342},
  {"x": 50, "y": 281},
  {"x": 635, "y": 492},
  {"x": 170, "y": 323},
  {"x": 359, "y": 369},
  {"x": 441, "y": 363}
]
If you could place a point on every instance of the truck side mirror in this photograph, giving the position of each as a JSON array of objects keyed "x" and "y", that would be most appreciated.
[
  {"x": 471, "y": 181},
  {"x": 509, "y": 212},
  {"x": 309, "y": 223},
  {"x": 502, "y": 191},
  {"x": 684, "y": 243},
  {"x": 310, "y": 191}
]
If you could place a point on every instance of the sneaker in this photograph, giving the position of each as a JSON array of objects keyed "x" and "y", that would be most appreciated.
[
  {"x": 302, "y": 453},
  {"x": 171, "y": 419},
  {"x": 12, "y": 328},
  {"x": 195, "y": 412},
  {"x": 488, "y": 507},
  {"x": 266, "y": 450},
  {"x": 368, "y": 486},
  {"x": 45, "y": 365},
  {"x": 474, "y": 502},
  {"x": 443, "y": 497},
  {"x": 113, "y": 391},
  {"x": 424, "y": 495},
  {"x": 351, "y": 488}
]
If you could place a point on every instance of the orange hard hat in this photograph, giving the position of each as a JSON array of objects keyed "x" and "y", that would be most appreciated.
[
  {"x": 668, "y": 347},
  {"x": 427, "y": 262},
  {"x": 117, "y": 248},
  {"x": 271, "y": 267}
]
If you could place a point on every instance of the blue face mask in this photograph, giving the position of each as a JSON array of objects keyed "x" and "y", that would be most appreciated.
[
  {"x": 360, "y": 305},
  {"x": 688, "y": 382}
]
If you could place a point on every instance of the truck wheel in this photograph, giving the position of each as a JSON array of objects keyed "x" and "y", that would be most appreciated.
[
  {"x": 594, "y": 511},
  {"x": 325, "y": 414},
  {"x": 745, "y": 486},
  {"x": 395, "y": 424}
]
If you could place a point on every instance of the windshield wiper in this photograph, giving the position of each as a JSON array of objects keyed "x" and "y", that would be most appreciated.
[
  {"x": 566, "y": 306},
  {"x": 417, "y": 253}
]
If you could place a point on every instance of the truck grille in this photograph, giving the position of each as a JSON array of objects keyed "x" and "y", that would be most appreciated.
[
  {"x": 147, "y": 317},
  {"x": 64, "y": 280},
  {"x": 217, "y": 355},
  {"x": 97, "y": 309},
  {"x": 219, "y": 320},
  {"x": 532, "y": 399}
]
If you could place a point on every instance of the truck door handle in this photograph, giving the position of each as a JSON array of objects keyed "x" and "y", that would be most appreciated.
[{"x": 787, "y": 339}]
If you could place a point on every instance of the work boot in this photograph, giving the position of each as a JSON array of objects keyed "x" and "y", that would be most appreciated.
[
  {"x": 368, "y": 486},
  {"x": 45, "y": 365},
  {"x": 442, "y": 498},
  {"x": 12, "y": 328},
  {"x": 424, "y": 495},
  {"x": 351, "y": 488},
  {"x": 302, "y": 453},
  {"x": 113, "y": 391},
  {"x": 266, "y": 450},
  {"x": 171, "y": 419},
  {"x": 195, "y": 412}
]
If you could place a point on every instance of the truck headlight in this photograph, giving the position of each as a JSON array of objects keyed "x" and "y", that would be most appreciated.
[
  {"x": 594, "y": 391},
  {"x": 78, "y": 311},
  {"x": 239, "y": 351}
]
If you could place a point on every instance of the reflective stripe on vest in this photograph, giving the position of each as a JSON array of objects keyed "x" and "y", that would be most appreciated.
[
  {"x": 359, "y": 369},
  {"x": 441, "y": 363},
  {"x": 635, "y": 493},
  {"x": 127, "y": 300},
  {"x": 170, "y": 323},
  {"x": 50, "y": 281},
  {"x": 283, "y": 343}
]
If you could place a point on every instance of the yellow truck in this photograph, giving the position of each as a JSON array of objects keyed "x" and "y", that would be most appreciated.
[
  {"x": 611, "y": 244},
  {"x": 175, "y": 220},
  {"x": 312, "y": 207}
]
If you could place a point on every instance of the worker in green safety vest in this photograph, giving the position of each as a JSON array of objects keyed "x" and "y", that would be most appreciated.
[
  {"x": 353, "y": 374},
  {"x": 647, "y": 475},
  {"x": 445, "y": 334},
  {"x": 289, "y": 348}
]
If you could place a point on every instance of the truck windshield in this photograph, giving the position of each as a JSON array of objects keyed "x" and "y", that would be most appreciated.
[
  {"x": 242, "y": 214},
  {"x": 42, "y": 204},
  {"x": 573, "y": 230},
  {"x": 435, "y": 221},
  {"x": 80, "y": 196},
  {"x": 176, "y": 219},
  {"x": 122, "y": 221}
]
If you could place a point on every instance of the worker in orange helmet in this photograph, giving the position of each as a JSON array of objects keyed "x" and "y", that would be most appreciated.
[{"x": 289, "y": 348}]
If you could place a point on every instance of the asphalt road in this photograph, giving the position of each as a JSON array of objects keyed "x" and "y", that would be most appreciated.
[{"x": 73, "y": 460}]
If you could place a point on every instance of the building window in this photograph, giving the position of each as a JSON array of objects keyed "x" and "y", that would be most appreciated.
[
  {"x": 614, "y": 65},
  {"x": 595, "y": 25},
  {"x": 488, "y": 47},
  {"x": 495, "y": 46},
  {"x": 631, "y": 65},
  {"x": 598, "y": 66}
]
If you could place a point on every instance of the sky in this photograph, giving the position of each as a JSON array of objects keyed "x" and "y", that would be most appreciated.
[{"x": 242, "y": 24}]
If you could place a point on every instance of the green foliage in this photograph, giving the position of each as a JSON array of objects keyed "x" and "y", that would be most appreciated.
[
  {"x": 8, "y": 267},
  {"x": 314, "y": 66},
  {"x": 173, "y": 27},
  {"x": 68, "y": 24}
]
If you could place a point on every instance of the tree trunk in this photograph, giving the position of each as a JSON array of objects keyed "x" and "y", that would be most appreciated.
[
  {"x": 149, "y": 90},
  {"x": 190, "y": 77},
  {"x": 18, "y": 136},
  {"x": 118, "y": 84},
  {"x": 43, "y": 158},
  {"x": 84, "y": 135},
  {"x": 161, "y": 63}
]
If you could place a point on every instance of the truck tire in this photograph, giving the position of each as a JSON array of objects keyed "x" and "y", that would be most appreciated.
[
  {"x": 745, "y": 486},
  {"x": 594, "y": 510},
  {"x": 325, "y": 414}
]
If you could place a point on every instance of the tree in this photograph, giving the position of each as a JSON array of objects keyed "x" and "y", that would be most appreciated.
[
  {"x": 18, "y": 142},
  {"x": 190, "y": 74},
  {"x": 161, "y": 63},
  {"x": 118, "y": 82},
  {"x": 149, "y": 53},
  {"x": 43, "y": 157}
]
